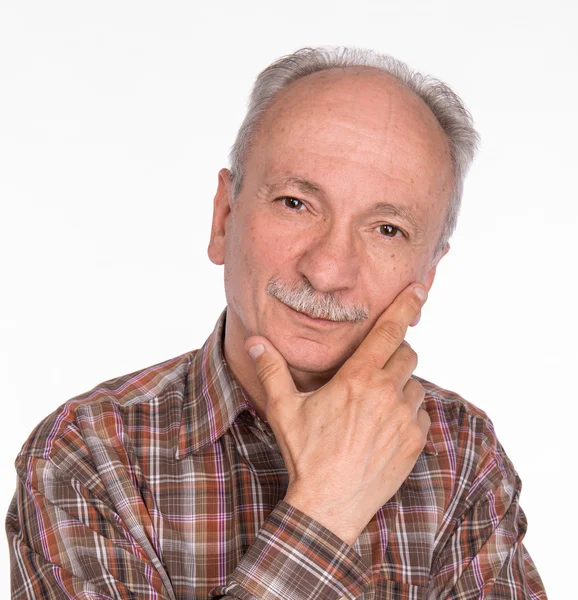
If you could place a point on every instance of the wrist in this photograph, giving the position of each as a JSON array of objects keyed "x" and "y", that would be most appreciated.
[{"x": 336, "y": 519}]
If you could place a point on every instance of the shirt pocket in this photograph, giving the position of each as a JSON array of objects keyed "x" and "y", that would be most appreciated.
[{"x": 387, "y": 589}]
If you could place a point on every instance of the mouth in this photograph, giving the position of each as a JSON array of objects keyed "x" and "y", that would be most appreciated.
[{"x": 312, "y": 321}]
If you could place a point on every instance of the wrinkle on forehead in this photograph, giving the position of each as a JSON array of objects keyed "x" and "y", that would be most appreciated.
[
  {"x": 329, "y": 91},
  {"x": 372, "y": 113},
  {"x": 405, "y": 177}
]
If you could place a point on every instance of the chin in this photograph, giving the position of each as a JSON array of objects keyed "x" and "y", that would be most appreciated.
[{"x": 311, "y": 357}]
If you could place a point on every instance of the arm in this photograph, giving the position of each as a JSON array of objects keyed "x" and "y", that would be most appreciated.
[
  {"x": 295, "y": 557},
  {"x": 484, "y": 557},
  {"x": 66, "y": 542}
]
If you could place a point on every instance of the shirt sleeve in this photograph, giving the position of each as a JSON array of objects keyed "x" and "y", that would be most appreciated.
[
  {"x": 67, "y": 543},
  {"x": 295, "y": 558},
  {"x": 484, "y": 557}
]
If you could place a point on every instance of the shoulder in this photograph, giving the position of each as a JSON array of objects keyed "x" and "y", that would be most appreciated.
[
  {"x": 449, "y": 401},
  {"x": 465, "y": 439},
  {"x": 119, "y": 397}
]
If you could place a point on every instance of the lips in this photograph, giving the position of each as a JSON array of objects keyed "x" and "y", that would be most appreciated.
[{"x": 311, "y": 320}]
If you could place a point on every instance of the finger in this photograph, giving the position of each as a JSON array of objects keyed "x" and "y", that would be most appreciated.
[
  {"x": 271, "y": 368},
  {"x": 390, "y": 329},
  {"x": 416, "y": 320},
  {"x": 401, "y": 364},
  {"x": 424, "y": 421},
  {"x": 414, "y": 393}
]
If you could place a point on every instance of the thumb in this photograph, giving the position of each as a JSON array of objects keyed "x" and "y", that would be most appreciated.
[{"x": 271, "y": 367}]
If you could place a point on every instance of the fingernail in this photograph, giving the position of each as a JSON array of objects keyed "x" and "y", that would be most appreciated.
[
  {"x": 421, "y": 293},
  {"x": 256, "y": 351}
]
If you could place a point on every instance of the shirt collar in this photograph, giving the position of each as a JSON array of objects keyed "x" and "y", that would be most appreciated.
[{"x": 214, "y": 399}]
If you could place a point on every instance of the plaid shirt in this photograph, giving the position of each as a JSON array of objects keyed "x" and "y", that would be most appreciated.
[{"x": 165, "y": 484}]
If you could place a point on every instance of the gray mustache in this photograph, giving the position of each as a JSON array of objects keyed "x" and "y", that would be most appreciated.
[{"x": 305, "y": 299}]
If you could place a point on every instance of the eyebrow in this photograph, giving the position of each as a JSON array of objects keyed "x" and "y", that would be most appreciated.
[
  {"x": 383, "y": 208},
  {"x": 303, "y": 185}
]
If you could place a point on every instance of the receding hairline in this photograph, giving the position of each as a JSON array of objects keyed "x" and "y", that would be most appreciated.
[{"x": 352, "y": 71}]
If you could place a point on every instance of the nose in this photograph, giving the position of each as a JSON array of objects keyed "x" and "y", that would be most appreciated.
[{"x": 331, "y": 260}]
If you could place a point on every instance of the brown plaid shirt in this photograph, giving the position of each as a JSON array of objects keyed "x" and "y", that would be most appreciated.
[{"x": 165, "y": 484}]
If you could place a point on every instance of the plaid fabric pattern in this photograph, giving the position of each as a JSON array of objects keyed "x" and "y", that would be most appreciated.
[{"x": 165, "y": 484}]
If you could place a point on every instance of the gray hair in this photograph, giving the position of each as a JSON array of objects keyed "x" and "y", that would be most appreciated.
[
  {"x": 303, "y": 298},
  {"x": 445, "y": 104}
]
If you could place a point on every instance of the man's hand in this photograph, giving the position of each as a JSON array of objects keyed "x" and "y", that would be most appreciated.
[{"x": 350, "y": 445}]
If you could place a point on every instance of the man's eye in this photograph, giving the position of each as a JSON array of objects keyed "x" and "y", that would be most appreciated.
[
  {"x": 293, "y": 203},
  {"x": 388, "y": 230}
]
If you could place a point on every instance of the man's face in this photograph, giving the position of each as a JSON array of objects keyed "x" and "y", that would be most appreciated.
[{"x": 344, "y": 194}]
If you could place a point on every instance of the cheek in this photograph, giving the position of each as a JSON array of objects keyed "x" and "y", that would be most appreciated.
[
  {"x": 243, "y": 243},
  {"x": 257, "y": 249},
  {"x": 238, "y": 271},
  {"x": 397, "y": 268},
  {"x": 252, "y": 257},
  {"x": 389, "y": 278},
  {"x": 269, "y": 247}
]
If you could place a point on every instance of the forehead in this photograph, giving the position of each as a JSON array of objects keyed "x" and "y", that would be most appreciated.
[{"x": 353, "y": 118}]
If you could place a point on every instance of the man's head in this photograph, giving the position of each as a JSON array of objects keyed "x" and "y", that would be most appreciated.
[{"x": 344, "y": 188}]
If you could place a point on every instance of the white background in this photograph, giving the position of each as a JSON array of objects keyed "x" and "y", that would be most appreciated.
[{"x": 114, "y": 120}]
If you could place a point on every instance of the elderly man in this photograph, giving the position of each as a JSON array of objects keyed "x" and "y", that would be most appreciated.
[{"x": 294, "y": 455}]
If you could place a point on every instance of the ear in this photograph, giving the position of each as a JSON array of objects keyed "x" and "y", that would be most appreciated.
[
  {"x": 221, "y": 210},
  {"x": 429, "y": 278}
]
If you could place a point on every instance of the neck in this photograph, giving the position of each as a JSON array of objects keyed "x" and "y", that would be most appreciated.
[{"x": 244, "y": 372}]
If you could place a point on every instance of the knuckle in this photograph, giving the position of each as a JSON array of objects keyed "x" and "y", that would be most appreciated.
[
  {"x": 391, "y": 331},
  {"x": 413, "y": 304},
  {"x": 425, "y": 417},
  {"x": 357, "y": 376},
  {"x": 414, "y": 434},
  {"x": 410, "y": 354},
  {"x": 372, "y": 356},
  {"x": 407, "y": 348},
  {"x": 417, "y": 440},
  {"x": 414, "y": 388},
  {"x": 267, "y": 371},
  {"x": 410, "y": 412}
]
